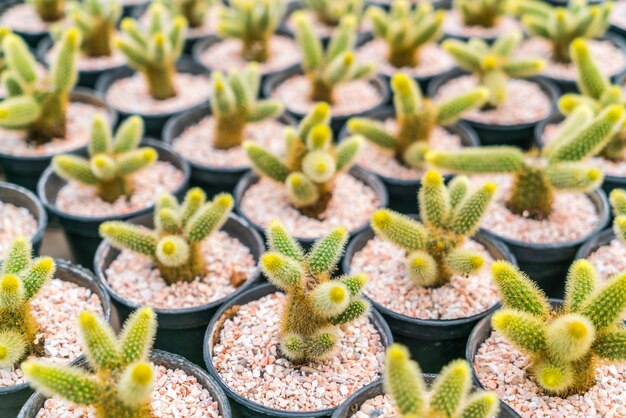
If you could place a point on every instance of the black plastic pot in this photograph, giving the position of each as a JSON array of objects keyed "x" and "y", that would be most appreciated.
[
  {"x": 32, "y": 39},
  {"x": 618, "y": 30},
  {"x": 368, "y": 179},
  {"x": 181, "y": 331},
  {"x": 433, "y": 343},
  {"x": 154, "y": 122},
  {"x": 337, "y": 122},
  {"x": 12, "y": 398},
  {"x": 243, "y": 407},
  {"x": 160, "y": 358},
  {"x": 212, "y": 179},
  {"x": 601, "y": 239},
  {"x": 25, "y": 170},
  {"x": 82, "y": 231},
  {"x": 23, "y": 198},
  {"x": 520, "y": 135},
  {"x": 437, "y": 4}
]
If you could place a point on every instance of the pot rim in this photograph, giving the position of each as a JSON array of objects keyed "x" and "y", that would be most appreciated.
[{"x": 41, "y": 216}]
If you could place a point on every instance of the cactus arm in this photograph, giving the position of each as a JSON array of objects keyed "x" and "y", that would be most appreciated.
[
  {"x": 570, "y": 337},
  {"x": 524, "y": 330},
  {"x": 266, "y": 163},
  {"x": 127, "y": 236},
  {"x": 301, "y": 190},
  {"x": 279, "y": 240},
  {"x": 606, "y": 306},
  {"x": 451, "y": 110},
  {"x": 282, "y": 271},
  {"x": 450, "y": 388},
  {"x": 483, "y": 160},
  {"x": 330, "y": 298},
  {"x": 128, "y": 135},
  {"x": 347, "y": 152},
  {"x": 520, "y": 68},
  {"x": 582, "y": 280},
  {"x": 266, "y": 109},
  {"x": 13, "y": 347},
  {"x": 372, "y": 131},
  {"x": 403, "y": 381},
  {"x": 458, "y": 189},
  {"x": 19, "y": 111},
  {"x": 434, "y": 201},
  {"x": 73, "y": 384},
  {"x": 354, "y": 283},
  {"x": 465, "y": 58},
  {"x": 507, "y": 44},
  {"x": 71, "y": 167},
  {"x": 17, "y": 257},
  {"x": 574, "y": 176},
  {"x": 194, "y": 199},
  {"x": 135, "y": 386},
  {"x": 422, "y": 269},
  {"x": 611, "y": 345},
  {"x": 63, "y": 71},
  {"x": 41, "y": 270},
  {"x": 19, "y": 58},
  {"x": 399, "y": 229},
  {"x": 590, "y": 80},
  {"x": 326, "y": 252},
  {"x": 481, "y": 405},
  {"x": 518, "y": 291},
  {"x": 467, "y": 215},
  {"x": 407, "y": 95},
  {"x": 98, "y": 341},
  {"x": 344, "y": 38},
  {"x": 617, "y": 197},
  {"x": 209, "y": 218},
  {"x": 312, "y": 51},
  {"x": 100, "y": 137},
  {"x": 580, "y": 118},
  {"x": 464, "y": 261},
  {"x": 355, "y": 310},
  {"x": 619, "y": 227},
  {"x": 167, "y": 221},
  {"x": 137, "y": 335},
  {"x": 132, "y": 161}
]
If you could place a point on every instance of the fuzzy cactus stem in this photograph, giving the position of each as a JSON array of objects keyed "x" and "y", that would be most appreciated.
[
  {"x": 96, "y": 21},
  {"x": 330, "y": 12},
  {"x": 484, "y": 13},
  {"x": 49, "y": 10},
  {"x": 194, "y": 11}
]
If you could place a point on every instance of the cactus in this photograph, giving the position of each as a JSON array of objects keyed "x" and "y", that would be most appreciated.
[
  {"x": 49, "y": 10},
  {"x": 154, "y": 52},
  {"x": 326, "y": 68},
  {"x": 316, "y": 303},
  {"x": 312, "y": 162},
  {"x": 330, "y": 12},
  {"x": 235, "y": 105},
  {"x": 493, "y": 65},
  {"x": 449, "y": 215},
  {"x": 483, "y": 13},
  {"x": 96, "y": 21},
  {"x": 194, "y": 11},
  {"x": 3, "y": 34},
  {"x": 175, "y": 244},
  {"x": 564, "y": 343},
  {"x": 448, "y": 397},
  {"x": 122, "y": 380},
  {"x": 20, "y": 280},
  {"x": 416, "y": 118},
  {"x": 617, "y": 197},
  {"x": 562, "y": 25},
  {"x": 254, "y": 23},
  {"x": 406, "y": 30},
  {"x": 35, "y": 103}
]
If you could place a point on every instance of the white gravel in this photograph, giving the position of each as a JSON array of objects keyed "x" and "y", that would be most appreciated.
[
  {"x": 453, "y": 25},
  {"x": 87, "y": 63},
  {"x": 23, "y": 18},
  {"x": 380, "y": 406},
  {"x": 618, "y": 15},
  {"x": 14, "y": 222},
  {"x": 609, "y": 259}
]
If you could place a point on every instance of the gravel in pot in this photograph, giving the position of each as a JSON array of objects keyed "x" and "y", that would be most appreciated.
[
  {"x": 21, "y": 214},
  {"x": 617, "y": 19},
  {"x": 22, "y": 18}
]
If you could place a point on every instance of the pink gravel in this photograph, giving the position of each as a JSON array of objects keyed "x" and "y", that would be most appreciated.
[
  {"x": 246, "y": 356},
  {"x": 453, "y": 25},
  {"x": 23, "y": 18},
  {"x": 55, "y": 309},
  {"x": 618, "y": 15},
  {"x": 502, "y": 368},
  {"x": 609, "y": 259},
  {"x": 87, "y": 63},
  {"x": 380, "y": 406},
  {"x": 352, "y": 205},
  {"x": 14, "y": 222}
]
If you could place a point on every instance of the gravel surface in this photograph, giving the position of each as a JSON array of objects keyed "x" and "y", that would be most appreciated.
[
  {"x": 609, "y": 259},
  {"x": 453, "y": 25},
  {"x": 352, "y": 205},
  {"x": 380, "y": 406},
  {"x": 23, "y": 18},
  {"x": 87, "y": 63},
  {"x": 14, "y": 222},
  {"x": 502, "y": 368},
  {"x": 247, "y": 359},
  {"x": 618, "y": 15},
  {"x": 55, "y": 309}
]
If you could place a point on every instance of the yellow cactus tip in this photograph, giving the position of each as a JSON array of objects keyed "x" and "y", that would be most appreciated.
[
  {"x": 348, "y": 58},
  {"x": 615, "y": 112},
  {"x": 561, "y": 14},
  {"x": 401, "y": 82},
  {"x": 86, "y": 319},
  {"x": 321, "y": 110},
  {"x": 4, "y": 352},
  {"x": 180, "y": 21},
  {"x": 381, "y": 218},
  {"x": 224, "y": 200},
  {"x": 567, "y": 103},
  {"x": 10, "y": 283},
  {"x": 579, "y": 45},
  {"x": 168, "y": 247},
  {"x": 295, "y": 180},
  {"x": 146, "y": 312},
  {"x": 321, "y": 167},
  {"x": 100, "y": 161},
  {"x": 247, "y": 145},
  {"x": 476, "y": 261},
  {"x": 29, "y": 367},
  {"x": 127, "y": 23},
  {"x": 594, "y": 174},
  {"x": 159, "y": 39},
  {"x": 142, "y": 374},
  {"x": 341, "y": 230},
  {"x": 490, "y": 187},
  {"x": 418, "y": 262},
  {"x": 272, "y": 262},
  {"x": 195, "y": 194},
  {"x": 432, "y": 177},
  {"x": 4, "y": 113},
  {"x": 432, "y": 156},
  {"x": 578, "y": 329},
  {"x": 551, "y": 377},
  {"x": 490, "y": 62},
  {"x": 149, "y": 154},
  {"x": 621, "y": 221},
  {"x": 500, "y": 267},
  {"x": 337, "y": 294},
  {"x": 73, "y": 36},
  {"x": 396, "y": 352}
]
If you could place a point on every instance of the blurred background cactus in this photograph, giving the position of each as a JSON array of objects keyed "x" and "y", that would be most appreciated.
[
  {"x": 49, "y": 10},
  {"x": 4, "y": 32},
  {"x": 618, "y": 204},
  {"x": 483, "y": 13},
  {"x": 96, "y": 20},
  {"x": 330, "y": 12},
  {"x": 194, "y": 11}
]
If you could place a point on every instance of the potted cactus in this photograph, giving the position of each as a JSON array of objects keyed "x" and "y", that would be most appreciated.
[
  {"x": 201, "y": 16},
  {"x": 32, "y": 19},
  {"x": 308, "y": 320},
  {"x": 21, "y": 214},
  {"x": 483, "y": 19},
  {"x": 124, "y": 378}
]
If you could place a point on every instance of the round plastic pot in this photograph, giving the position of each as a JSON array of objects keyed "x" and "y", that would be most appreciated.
[
  {"x": 618, "y": 30},
  {"x": 520, "y": 135},
  {"x": 181, "y": 331},
  {"x": 12, "y": 398},
  {"x": 23, "y": 198},
  {"x": 368, "y": 179},
  {"x": 82, "y": 231},
  {"x": 25, "y": 170},
  {"x": 403, "y": 193},
  {"x": 32, "y": 39},
  {"x": 601, "y": 239},
  {"x": 160, "y": 358},
  {"x": 433, "y": 343},
  {"x": 337, "y": 122},
  {"x": 212, "y": 179},
  {"x": 154, "y": 122},
  {"x": 243, "y": 407}
]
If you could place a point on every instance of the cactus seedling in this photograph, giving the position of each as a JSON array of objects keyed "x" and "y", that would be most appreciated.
[
  {"x": 49, "y": 10},
  {"x": 122, "y": 380},
  {"x": 618, "y": 203},
  {"x": 20, "y": 280},
  {"x": 449, "y": 396},
  {"x": 330, "y": 12},
  {"x": 493, "y": 65},
  {"x": 563, "y": 343},
  {"x": 96, "y": 20},
  {"x": 316, "y": 303},
  {"x": 326, "y": 68},
  {"x": 235, "y": 105},
  {"x": 194, "y": 11},
  {"x": 406, "y": 30},
  {"x": 111, "y": 161},
  {"x": 312, "y": 162},
  {"x": 416, "y": 117},
  {"x": 174, "y": 245},
  {"x": 449, "y": 215},
  {"x": 483, "y": 13}
]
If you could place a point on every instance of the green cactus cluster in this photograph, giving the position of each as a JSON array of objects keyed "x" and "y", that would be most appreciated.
[
  {"x": 330, "y": 12},
  {"x": 49, "y": 10},
  {"x": 253, "y": 22},
  {"x": 122, "y": 380},
  {"x": 316, "y": 303},
  {"x": 433, "y": 246},
  {"x": 175, "y": 243},
  {"x": 194, "y": 11},
  {"x": 234, "y": 105},
  {"x": 617, "y": 197},
  {"x": 563, "y": 343},
  {"x": 493, "y": 65},
  {"x": 416, "y": 118},
  {"x": 406, "y": 29},
  {"x": 20, "y": 280},
  {"x": 153, "y": 51},
  {"x": 333, "y": 65},
  {"x": 562, "y": 25},
  {"x": 312, "y": 161},
  {"x": 483, "y": 13},
  {"x": 448, "y": 397},
  {"x": 96, "y": 20}
]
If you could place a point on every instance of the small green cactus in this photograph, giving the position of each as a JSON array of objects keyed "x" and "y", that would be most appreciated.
[
  {"x": 326, "y": 68},
  {"x": 154, "y": 52},
  {"x": 96, "y": 21},
  {"x": 449, "y": 396},
  {"x": 316, "y": 304},
  {"x": 449, "y": 215},
  {"x": 194, "y": 11},
  {"x": 416, "y": 117},
  {"x": 122, "y": 380},
  {"x": 35, "y": 103},
  {"x": 562, "y": 25},
  {"x": 564, "y": 343},
  {"x": 312, "y": 162},
  {"x": 483, "y": 13},
  {"x": 493, "y": 65},
  {"x": 330, "y": 12},
  {"x": 254, "y": 23},
  {"x": 234, "y": 105},
  {"x": 111, "y": 161},
  {"x": 617, "y": 198},
  {"x": 175, "y": 244},
  {"x": 406, "y": 30},
  {"x": 20, "y": 280},
  {"x": 49, "y": 10},
  {"x": 4, "y": 32}
]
